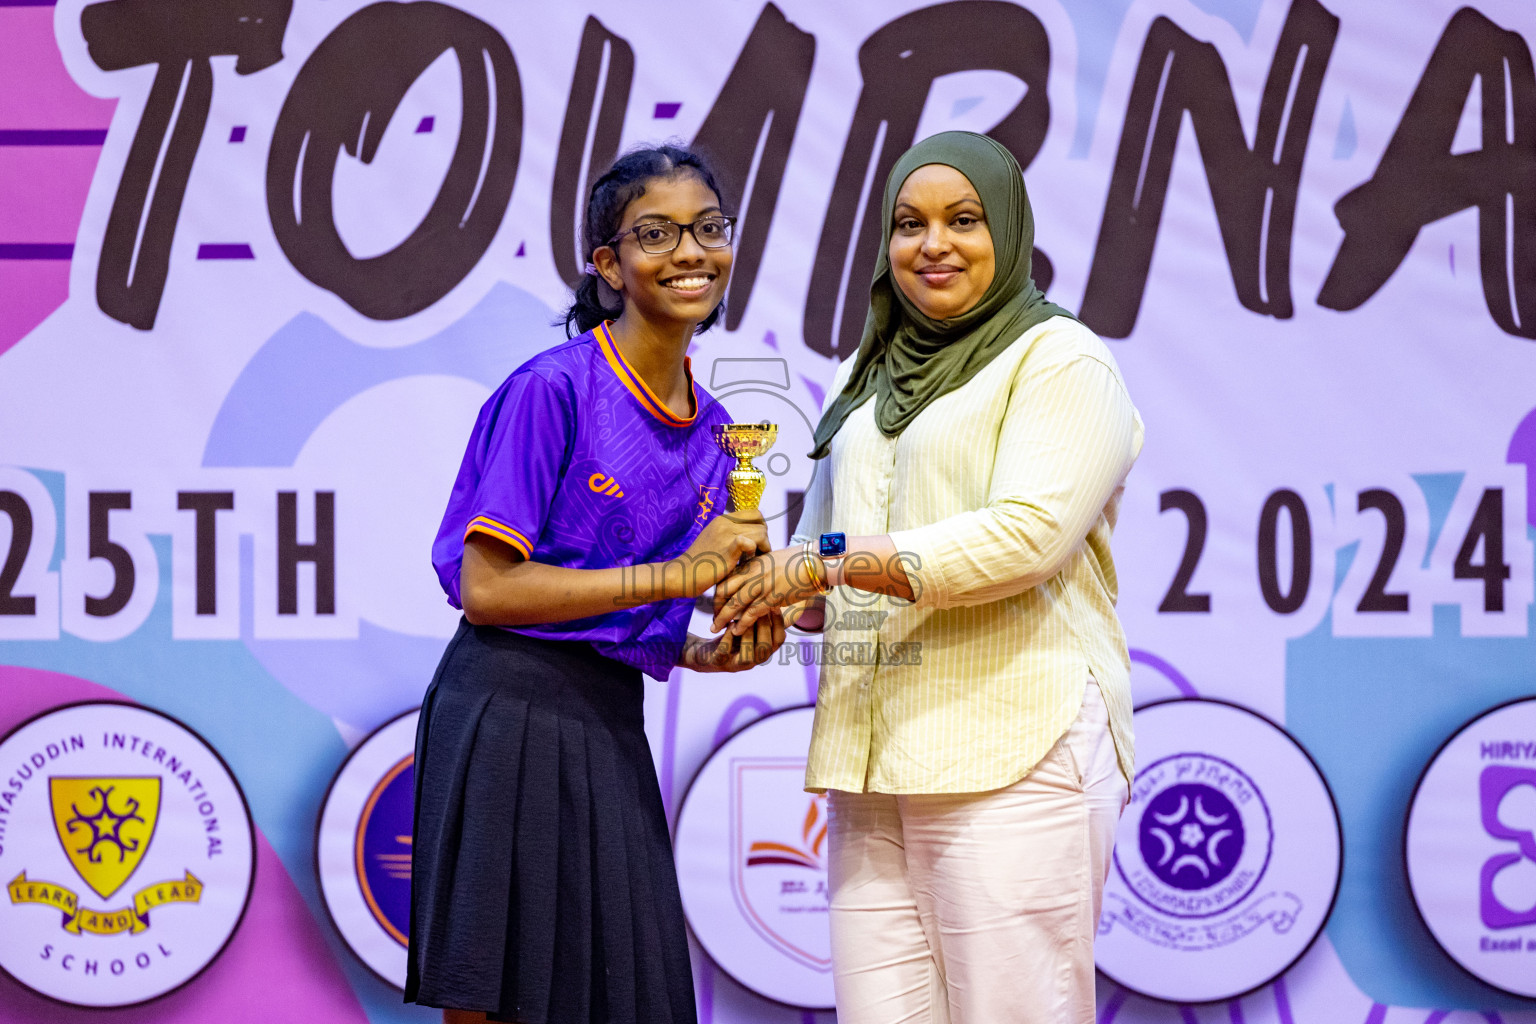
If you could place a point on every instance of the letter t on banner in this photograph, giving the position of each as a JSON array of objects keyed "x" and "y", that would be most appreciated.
[{"x": 179, "y": 36}]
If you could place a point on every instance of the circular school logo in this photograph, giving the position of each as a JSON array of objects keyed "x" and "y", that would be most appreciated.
[
  {"x": 363, "y": 847},
  {"x": 1227, "y": 859},
  {"x": 751, "y": 848},
  {"x": 1470, "y": 847},
  {"x": 126, "y": 850},
  {"x": 1203, "y": 844}
]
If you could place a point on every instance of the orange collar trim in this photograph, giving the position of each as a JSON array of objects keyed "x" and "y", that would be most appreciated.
[{"x": 636, "y": 386}]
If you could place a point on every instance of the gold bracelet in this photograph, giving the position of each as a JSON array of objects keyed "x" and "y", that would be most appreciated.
[{"x": 821, "y": 587}]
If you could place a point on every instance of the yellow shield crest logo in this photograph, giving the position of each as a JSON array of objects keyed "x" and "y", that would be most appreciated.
[{"x": 105, "y": 825}]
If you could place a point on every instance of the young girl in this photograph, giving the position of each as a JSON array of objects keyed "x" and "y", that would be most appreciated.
[{"x": 582, "y": 525}]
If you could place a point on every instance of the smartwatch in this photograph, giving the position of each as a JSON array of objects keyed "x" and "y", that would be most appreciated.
[{"x": 832, "y": 546}]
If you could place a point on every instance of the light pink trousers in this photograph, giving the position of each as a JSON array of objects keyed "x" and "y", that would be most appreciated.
[{"x": 977, "y": 908}]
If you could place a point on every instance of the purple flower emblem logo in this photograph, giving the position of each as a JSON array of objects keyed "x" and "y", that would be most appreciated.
[{"x": 1191, "y": 836}]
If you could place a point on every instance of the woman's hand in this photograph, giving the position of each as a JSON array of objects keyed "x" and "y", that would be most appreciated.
[
  {"x": 768, "y": 582},
  {"x": 730, "y": 652},
  {"x": 718, "y": 549}
]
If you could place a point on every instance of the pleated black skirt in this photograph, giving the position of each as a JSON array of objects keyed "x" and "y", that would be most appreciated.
[{"x": 543, "y": 886}]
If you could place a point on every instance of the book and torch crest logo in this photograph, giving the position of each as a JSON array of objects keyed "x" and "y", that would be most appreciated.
[
  {"x": 779, "y": 875},
  {"x": 752, "y": 853},
  {"x": 126, "y": 850}
]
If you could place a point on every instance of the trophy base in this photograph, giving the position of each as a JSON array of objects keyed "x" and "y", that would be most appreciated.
[{"x": 746, "y": 488}]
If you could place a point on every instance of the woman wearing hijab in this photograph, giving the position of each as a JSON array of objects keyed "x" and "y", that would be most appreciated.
[{"x": 973, "y": 722}]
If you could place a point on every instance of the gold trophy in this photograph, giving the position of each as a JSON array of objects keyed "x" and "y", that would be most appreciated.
[{"x": 743, "y": 441}]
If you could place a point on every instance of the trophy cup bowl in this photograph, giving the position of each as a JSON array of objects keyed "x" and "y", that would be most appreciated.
[{"x": 744, "y": 441}]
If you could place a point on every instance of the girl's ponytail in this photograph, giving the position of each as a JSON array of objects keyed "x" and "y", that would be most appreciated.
[{"x": 588, "y": 309}]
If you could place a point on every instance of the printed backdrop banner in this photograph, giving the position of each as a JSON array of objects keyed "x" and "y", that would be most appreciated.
[{"x": 261, "y": 261}]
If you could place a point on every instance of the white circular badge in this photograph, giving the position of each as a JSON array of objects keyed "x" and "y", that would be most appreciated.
[
  {"x": 751, "y": 848},
  {"x": 126, "y": 850},
  {"x": 1470, "y": 847},
  {"x": 363, "y": 847},
  {"x": 1227, "y": 859}
]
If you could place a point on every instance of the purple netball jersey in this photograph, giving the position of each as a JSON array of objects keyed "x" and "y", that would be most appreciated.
[{"x": 574, "y": 462}]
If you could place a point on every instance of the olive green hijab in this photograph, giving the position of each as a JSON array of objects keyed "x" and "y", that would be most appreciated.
[{"x": 905, "y": 359}]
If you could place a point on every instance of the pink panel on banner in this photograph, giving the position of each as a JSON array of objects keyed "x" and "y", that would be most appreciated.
[
  {"x": 45, "y": 185},
  {"x": 32, "y": 290},
  {"x": 277, "y": 939},
  {"x": 35, "y": 89},
  {"x": 44, "y": 189}
]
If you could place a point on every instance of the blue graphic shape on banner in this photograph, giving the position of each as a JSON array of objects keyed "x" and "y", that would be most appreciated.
[
  {"x": 1348, "y": 139},
  {"x": 1439, "y": 494},
  {"x": 308, "y": 369},
  {"x": 1242, "y": 15},
  {"x": 54, "y": 481},
  {"x": 301, "y": 375},
  {"x": 362, "y": 681},
  {"x": 1373, "y": 744},
  {"x": 384, "y": 850},
  {"x": 1097, "y": 26}
]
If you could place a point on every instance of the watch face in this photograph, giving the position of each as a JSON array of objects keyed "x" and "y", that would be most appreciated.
[{"x": 834, "y": 545}]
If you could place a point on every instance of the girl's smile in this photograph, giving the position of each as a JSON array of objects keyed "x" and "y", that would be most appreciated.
[{"x": 677, "y": 287}]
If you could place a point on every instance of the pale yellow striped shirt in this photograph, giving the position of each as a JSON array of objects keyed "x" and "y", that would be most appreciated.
[{"x": 1003, "y": 494}]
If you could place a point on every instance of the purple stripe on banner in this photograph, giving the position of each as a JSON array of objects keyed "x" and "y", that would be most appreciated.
[
  {"x": 707, "y": 994},
  {"x": 728, "y": 720},
  {"x": 667, "y": 111},
  {"x": 1235, "y": 1011},
  {"x": 1283, "y": 1002},
  {"x": 1377, "y": 1015},
  {"x": 36, "y": 250},
  {"x": 1437, "y": 1016},
  {"x": 225, "y": 251},
  {"x": 1112, "y": 1007},
  {"x": 1184, "y": 686},
  {"x": 52, "y": 136},
  {"x": 1187, "y": 1015}
]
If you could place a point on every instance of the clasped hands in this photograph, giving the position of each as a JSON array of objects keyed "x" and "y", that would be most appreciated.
[{"x": 753, "y": 584}]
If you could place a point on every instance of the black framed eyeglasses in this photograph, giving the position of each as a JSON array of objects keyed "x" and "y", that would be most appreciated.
[{"x": 662, "y": 236}]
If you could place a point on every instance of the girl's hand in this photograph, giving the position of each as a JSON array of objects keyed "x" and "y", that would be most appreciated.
[
  {"x": 808, "y": 616},
  {"x": 730, "y": 652},
  {"x": 718, "y": 549},
  {"x": 768, "y": 582}
]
